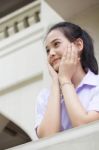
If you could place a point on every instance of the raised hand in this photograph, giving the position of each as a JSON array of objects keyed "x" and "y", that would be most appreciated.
[
  {"x": 53, "y": 73},
  {"x": 68, "y": 63}
]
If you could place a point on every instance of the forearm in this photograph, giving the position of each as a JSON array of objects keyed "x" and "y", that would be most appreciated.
[
  {"x": 76, "y": 111},
  {"x": 51, "y": 121}
]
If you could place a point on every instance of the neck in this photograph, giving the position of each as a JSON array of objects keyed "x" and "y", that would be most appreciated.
[{"x": 78, "y": 76}]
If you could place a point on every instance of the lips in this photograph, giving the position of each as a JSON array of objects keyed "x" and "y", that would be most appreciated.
[{"x": 55, "y": 61}]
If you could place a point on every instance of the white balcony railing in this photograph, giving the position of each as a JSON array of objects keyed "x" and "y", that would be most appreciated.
[
  {"x": 80, "y": 138},
  {"x": 19, "y": 20}
]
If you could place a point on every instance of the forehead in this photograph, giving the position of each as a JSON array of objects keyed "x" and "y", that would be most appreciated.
[{"x": 54, "y": 35}]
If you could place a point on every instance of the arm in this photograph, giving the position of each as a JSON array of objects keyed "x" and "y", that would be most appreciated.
[
  {"x": 76, "y": 111},
  {"x": 51, "y": 121}
]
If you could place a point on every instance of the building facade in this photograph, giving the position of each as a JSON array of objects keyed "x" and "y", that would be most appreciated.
[{"x": 23, "y": 70}]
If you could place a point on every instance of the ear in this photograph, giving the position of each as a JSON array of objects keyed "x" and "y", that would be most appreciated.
[{"x": 79, "y": 43}]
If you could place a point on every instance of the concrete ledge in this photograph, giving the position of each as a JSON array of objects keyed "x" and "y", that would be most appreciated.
[{"x": 81, "y": 138}]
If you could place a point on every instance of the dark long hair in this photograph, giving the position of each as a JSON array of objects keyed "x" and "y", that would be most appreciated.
[{"x": 72, "y": 32}]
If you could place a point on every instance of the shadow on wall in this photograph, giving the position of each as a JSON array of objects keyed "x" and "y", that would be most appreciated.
[{"x": 10, "y": 134}]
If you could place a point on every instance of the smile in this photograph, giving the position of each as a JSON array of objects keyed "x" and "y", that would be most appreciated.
[{"x": 55, "y": 61}]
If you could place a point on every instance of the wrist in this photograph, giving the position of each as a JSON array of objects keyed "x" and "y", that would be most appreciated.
[
  {"x": 55, "y": 82},
  {"x": 66, "y": 83},
  {"x": 64, "y": 80}
]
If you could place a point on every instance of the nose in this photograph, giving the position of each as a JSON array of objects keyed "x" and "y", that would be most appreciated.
[{"x": 52, "y": 52}]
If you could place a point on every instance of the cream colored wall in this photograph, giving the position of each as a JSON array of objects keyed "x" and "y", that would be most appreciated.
[
  {"x": 89, "y": 20},
  {"x": 48, "y": 15},
  {"x": 23, "y": 71},
  {"x": 21, "y": 76}
]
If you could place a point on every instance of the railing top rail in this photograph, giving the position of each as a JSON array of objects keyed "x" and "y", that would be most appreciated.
[{"x": 34, "y": 5}]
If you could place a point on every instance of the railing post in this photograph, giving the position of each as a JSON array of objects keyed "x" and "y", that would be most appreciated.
[{"x": 19, "y": 20}]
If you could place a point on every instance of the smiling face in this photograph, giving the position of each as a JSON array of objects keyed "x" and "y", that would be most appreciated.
[{"x": 56, "y": 44}]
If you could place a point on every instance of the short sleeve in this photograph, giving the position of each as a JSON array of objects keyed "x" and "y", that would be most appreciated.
[
  {"x": 40, "y": 108},
  {"x": 94, "y": 102}
]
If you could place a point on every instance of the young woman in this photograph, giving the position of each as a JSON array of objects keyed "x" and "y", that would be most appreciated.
[{"x": 73, "y": 98}]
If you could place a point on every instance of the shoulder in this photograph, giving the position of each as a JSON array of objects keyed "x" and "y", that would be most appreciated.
[
  {"x": 97, "y": 82},
  {"x": 92, "y": 79},
  {"x": 43, "y": 96},
  {"x": 44, "y": 92},
  {"x": 95, "y": 90}
]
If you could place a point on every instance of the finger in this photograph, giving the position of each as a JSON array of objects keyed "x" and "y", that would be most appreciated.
[
  {"x": 64, "y": 55},
  {"x": 49, "y": 66},
  {"x": 65, "y": 52},
  {"x": 69, "y": 50},
  {"x": 73, "y": 53}
]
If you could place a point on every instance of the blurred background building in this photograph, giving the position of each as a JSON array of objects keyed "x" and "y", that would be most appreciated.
[{"x": 23, "y": 69}]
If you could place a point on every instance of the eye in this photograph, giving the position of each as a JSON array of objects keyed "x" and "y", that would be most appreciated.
[
  {"x": 56, "y": 44},
  {"x": 47, "y": 50}
]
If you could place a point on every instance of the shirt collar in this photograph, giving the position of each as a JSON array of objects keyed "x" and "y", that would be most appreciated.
[{"x": 90, "y": 79}]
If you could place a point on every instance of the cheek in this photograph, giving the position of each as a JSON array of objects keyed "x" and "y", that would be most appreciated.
[
  {"x": 48, "y": 59},
  {"x": 61, "y": 51}
]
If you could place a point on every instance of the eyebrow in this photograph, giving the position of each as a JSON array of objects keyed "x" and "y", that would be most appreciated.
[{"x": 52, "y": 42}]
